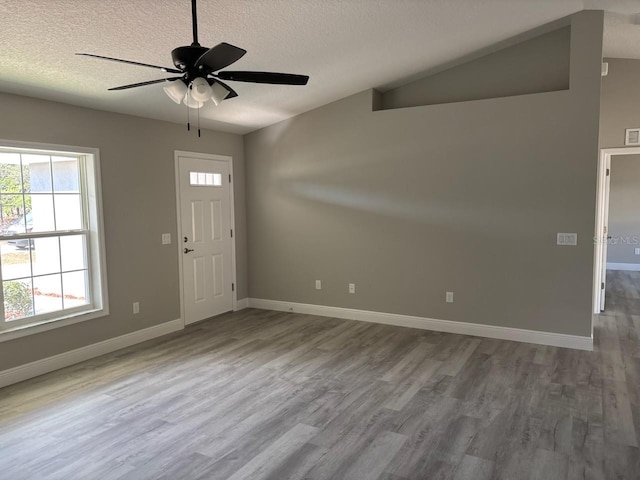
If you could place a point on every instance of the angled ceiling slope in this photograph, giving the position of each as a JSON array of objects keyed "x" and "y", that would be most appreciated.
[{"x": 345, "y": 46}]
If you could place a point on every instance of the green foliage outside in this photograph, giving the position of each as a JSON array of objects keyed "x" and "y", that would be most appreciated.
[
  {"x": 17, "y": 300},
  {"x": 11, "y": 206}
]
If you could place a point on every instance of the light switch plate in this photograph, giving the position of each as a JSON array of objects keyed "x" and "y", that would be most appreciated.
[
  {"x": 567, "y": 239},
  {"x": 166, "y": 238},
  {"x": 637, "y": 251}
]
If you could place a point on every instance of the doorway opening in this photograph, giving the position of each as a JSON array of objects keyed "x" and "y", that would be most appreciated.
[{"x": 617, "y": 239}]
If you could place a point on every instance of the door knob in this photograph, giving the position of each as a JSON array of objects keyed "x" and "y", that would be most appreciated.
[{"x": 187, "y": 250}]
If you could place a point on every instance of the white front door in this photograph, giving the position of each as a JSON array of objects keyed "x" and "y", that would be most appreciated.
[{"x": 205, "y": 236}]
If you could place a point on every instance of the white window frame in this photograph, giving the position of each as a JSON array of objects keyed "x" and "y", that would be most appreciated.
[{"x": 96, "y": 260}]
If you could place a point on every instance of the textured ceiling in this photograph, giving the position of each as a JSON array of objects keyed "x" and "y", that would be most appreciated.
[{"x": 346, "y": 46}]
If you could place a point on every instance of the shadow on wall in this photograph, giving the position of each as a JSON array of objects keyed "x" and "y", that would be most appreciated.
[{"x": 428, "y": 192}]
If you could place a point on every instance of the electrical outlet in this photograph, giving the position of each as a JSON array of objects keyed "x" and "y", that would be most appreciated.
[
  {"x": 568, "y": 239},
  {"x": 637, "y": 251},
  {"x": 352, "y": 288},
  {"x": 318, "y": 284},
  {"x": 449, "y": 297},
  {"x": 136, "y": 308},
  {"x": 166, "y": 238}
]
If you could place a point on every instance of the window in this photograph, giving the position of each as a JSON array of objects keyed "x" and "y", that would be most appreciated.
[
  {"x": 51, "y": 249},
  {"x": 202, "y": 179}
]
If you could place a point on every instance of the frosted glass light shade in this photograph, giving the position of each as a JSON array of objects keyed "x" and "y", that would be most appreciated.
[
  {"x": 191, "y": 102},
  {"x": 218, "y": 93},
  {"x": 200, "y": 90},
  {"x": 176, "y": 91}
]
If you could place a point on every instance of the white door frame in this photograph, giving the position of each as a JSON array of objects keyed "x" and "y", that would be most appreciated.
[
  {"x": 602, "y": 208},
  {"x": 220, "y": 158}
]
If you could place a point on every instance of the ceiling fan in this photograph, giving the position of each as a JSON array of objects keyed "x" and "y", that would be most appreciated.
[{"x": 199, "y": 69}]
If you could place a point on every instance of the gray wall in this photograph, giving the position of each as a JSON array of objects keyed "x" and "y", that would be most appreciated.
[
  {"x": 624, "y": 209},
  {"x": 537, "y": 65},
  {"x": 137, "y": 166},
  {"x": 620, "y": 108},
  {"x": 409, "y": 203}
]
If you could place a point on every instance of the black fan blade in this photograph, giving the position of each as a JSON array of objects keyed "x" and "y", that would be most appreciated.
[
  {"x": 142, "y": 84},
  {"x": 265, "y": 77},
  {"x": 164, "y": 69},
  {"x": 232, "y": 92},
  {"x": 220, "y": 56}
]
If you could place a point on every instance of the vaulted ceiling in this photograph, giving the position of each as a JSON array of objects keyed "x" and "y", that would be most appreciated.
[{"x": 346, "y": 46}]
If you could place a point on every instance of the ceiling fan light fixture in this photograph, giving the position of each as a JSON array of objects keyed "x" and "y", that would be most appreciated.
[
  {"x": 176, "y": 91},
  {"x": 218, "y": 93},
  {"x": 191, "y": 102},
  {"x": 200, "y": 72},
  {"x": 200, "y": 90}
]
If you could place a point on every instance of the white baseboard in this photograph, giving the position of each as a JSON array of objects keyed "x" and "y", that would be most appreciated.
[
  {"x": 463, "y": 328},
  {"x": 634, "y": 267},
  {"x": 46, "y": 365},
  {"x": 242, "y": 304}
]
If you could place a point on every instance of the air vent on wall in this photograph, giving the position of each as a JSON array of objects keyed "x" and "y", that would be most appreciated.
[{"x": 632, "y": 136}]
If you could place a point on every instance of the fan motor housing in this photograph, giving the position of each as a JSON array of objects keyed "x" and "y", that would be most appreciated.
[{"x": 184, "y": 58}]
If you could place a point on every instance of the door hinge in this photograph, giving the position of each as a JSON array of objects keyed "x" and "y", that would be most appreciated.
[
  {"x": 233, "y": 287},
  {"x": 229, "y": 178},
  {"x": 608, "y": 172},
  {"x": 602, "y": 286},
  {"x": 232, "y": 233}
]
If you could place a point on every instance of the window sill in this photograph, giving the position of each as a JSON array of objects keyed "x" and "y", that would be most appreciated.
[{"x": 12, "y": 333}]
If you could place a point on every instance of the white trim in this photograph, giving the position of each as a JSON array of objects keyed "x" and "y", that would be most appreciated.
[
  {"x": 463, "y": 328},
  {"x": 600, "y": 236},
  {"x": 602, "y": 203},
  {"x": 179, "y": 235},
  {"x": 632, "y": 267},
  {"x": 232, "y": 219},
  {"x": 94, "y": 170},
  {"x": 46, "y": 365},
  {"x": 241, "y": 304},
  {"x": 69, "y": 149}
]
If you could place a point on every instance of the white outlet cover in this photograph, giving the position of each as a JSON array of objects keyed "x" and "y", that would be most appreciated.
[
  {"x": 637, "y": 251},
  {"x": 136, "y": 308},
  {"x": 449, "y": 297},
  {"x": 352, "y": 288},
  {"x": 318, "y": 284},
  {"x": 567, "y": 239}
]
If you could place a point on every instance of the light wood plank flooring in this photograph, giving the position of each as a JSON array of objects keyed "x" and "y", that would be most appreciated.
[{"x": 266, "y": 395}]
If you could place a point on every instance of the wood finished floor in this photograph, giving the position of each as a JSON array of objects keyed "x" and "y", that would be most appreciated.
[{"x": 266, "y": 395}]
